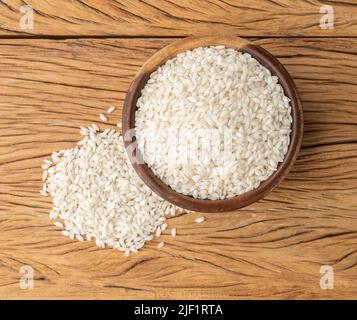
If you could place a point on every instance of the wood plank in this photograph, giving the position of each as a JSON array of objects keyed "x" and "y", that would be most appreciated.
[
  {"x": 165, "y": 18},
  {"x": 272, "y": 249}
]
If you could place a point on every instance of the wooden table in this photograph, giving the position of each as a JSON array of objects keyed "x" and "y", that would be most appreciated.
[{"x": 81, "y": 57}]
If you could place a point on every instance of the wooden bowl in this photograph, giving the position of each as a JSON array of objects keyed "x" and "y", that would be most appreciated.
[{"x": 187, "y": 202}]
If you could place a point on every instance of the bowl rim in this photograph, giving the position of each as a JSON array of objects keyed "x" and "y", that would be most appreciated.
[{"x": 205, "y": 205}]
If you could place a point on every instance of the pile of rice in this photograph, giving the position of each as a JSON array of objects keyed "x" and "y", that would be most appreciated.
[
  {"x": 213, "y": 123},
  {"x": 97, "y": 194}
]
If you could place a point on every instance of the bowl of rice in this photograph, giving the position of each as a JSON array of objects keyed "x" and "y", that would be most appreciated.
[{"x": 212, "y": 124}]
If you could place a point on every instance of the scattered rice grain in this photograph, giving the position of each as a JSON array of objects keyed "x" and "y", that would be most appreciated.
[
  {"x": 58, "y": 224},
  {"x": 95, "y": 127},
  {"x": 111, "y": 109},
  {"x": 200, "y": 219},
  {"x": 103, "y": 117}
]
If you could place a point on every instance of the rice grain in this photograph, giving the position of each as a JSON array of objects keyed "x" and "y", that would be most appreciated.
[
  {"x": 200, "y": 219},
  {"x": 111, "y": 109},
  {"x": 103, "y": 117}
]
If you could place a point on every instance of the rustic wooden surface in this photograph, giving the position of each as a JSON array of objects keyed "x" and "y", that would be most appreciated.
[
  {"x": 168, "y": 18},
  {"x": 272, "y": 249}
]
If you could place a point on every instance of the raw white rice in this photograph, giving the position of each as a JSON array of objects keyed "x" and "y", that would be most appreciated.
[
  {"x": 161, "y": 244},
  {"x": 221, "y": 96},
  {"x": 84, "y": 131},
  {"x": 173, "y": 232},
  {"x": 103, "y": 117},
  {"x": 45, "y": 166},
  {"x": 65, "y": 233},
  {"x": 200, "y": 219},
  {"x": 163, "y": 227},
  {"x": 111, "y": 109},
  {"x": 95, "y": 127},
  {"x": 158, "y": 232},
  {"x": 97, "y": 194},
  {"x": 53, "y": 214},
  {"x": 58, "y": 224}
]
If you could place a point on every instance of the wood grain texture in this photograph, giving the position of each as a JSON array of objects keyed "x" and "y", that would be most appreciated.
[
  {"x": 255, "y": 18},
  {"x": 272, "y": 249}
]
